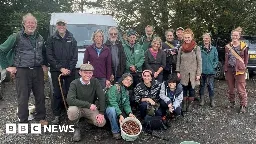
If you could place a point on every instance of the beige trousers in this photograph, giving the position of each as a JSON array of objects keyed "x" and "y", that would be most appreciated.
[{"x": 75, "y": 113}]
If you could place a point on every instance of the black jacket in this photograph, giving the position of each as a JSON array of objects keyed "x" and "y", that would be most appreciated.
[
  {"x": 154, "y": 64},
  {"x": 61, "y": 52},
  {"x": 28, "y": 51},
  {"x": 121, "y": 56}
]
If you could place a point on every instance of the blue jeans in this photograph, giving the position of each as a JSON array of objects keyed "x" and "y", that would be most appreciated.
[
  {"x": 209, "y": 81},
  {"x": 112, "y": 116},
  {"x": 188, "y": 90}
]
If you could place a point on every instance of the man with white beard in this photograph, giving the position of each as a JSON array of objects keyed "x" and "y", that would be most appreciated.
[
  {"x": 23, "y": 55},
  {"x": 117, "y": 54},
  {"x": 146, "y": 40},
  {"x": 62, "y": 55}
]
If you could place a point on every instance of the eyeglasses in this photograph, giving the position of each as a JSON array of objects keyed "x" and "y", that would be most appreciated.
[{"x": 113, "y": 34}]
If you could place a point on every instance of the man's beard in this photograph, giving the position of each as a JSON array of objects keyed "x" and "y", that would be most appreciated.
[
  {"x": 113, "y": 40},
  {"x": 149, "y": 36}
]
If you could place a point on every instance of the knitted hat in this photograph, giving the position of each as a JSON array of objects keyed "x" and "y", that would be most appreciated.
[
  {"x": 125, "y": 75},
  {"x": 131, "y": 32},
  {"x": 86, "y": 67}
]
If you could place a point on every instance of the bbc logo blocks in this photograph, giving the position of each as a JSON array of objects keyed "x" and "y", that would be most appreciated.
[{"x": 23, "y": 128}]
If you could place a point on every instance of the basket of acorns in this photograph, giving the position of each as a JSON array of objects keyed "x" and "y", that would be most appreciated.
[{"x": 130, "y": 129}]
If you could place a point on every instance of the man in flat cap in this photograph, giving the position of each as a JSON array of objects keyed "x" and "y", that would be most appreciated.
[
  {"x": 82, "y": 94},
  {"x": 62, "y": 53}
]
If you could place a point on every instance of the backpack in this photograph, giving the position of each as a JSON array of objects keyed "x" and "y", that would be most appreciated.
[{"x": 154, "y": 123}]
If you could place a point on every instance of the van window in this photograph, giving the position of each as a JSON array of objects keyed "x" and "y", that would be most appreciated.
[{"x": 83, "y": 33}]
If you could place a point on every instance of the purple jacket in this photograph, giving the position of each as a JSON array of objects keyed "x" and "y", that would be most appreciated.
[{"x": 101, "y": 63}]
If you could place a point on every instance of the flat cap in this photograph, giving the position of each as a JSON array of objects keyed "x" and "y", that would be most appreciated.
[{"x": 86, "y": 67}]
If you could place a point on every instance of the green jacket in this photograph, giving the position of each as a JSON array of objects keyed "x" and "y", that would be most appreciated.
[
  {"x": 7, "y": 52},
  {"x": 117, "y": 97},
  {"x": 134, "y": 57},
  {"x": 146, "y": 44},
  {"x": 209, "y": 60}
]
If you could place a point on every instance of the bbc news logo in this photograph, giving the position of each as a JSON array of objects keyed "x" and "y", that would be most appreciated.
[{"x": 37, "y": 128}]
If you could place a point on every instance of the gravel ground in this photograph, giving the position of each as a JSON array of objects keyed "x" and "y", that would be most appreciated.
[{"x": 205, "y": 125}]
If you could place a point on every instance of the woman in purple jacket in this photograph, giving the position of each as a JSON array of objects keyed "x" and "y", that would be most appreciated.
[{"x": 99, "y": 56}]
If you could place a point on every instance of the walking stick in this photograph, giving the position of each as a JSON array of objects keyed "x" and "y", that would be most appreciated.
[{"x": 63, "y": 98}]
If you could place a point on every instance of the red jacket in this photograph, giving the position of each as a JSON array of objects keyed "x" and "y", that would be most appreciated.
[{"x": 101, "y": 63}]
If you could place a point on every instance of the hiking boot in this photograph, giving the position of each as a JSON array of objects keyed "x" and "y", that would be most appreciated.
[
  {"x": 77, "y": 135},
  {"x": 117, "y": 136},
  {"x": 242, "y": 109},
  {"x": 189, "y": 105},
  {"x": 212, "y": 104},
  {"x": 56, "y": 120},
  {"x": 231, "y": 105},
  {"x": 184, "y": 104},
  {"x": 43, "y": 122},
  {"x": 202, "y": 101}
]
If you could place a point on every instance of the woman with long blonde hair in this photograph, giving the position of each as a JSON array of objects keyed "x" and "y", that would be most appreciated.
[{"x": 236, "y": 59}]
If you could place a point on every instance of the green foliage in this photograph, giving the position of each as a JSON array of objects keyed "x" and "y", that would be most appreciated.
[{"x": 218, "y": 17}]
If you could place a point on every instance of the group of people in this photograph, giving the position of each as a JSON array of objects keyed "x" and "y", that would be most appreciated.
[{"x": 145, "y": 75}]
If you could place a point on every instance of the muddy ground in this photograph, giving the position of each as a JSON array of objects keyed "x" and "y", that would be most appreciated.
[{"x": 205, "y": 125}]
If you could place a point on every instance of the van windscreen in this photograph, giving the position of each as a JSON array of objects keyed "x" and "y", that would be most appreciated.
[{"x": 83, "y": 33}]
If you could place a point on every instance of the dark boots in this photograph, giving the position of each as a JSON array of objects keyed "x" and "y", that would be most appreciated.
[
  {"x": 231, "y": 105},
  {"x": 242, "y": 109},
  {"x": 187, "y": 103},
  {"x": 77, "y": 133},
  {"x": 56, "y": 120},
  {"x": 202, "y": 100},
  {"x": 212, "y": 104},
  {"x": 184, "y": 103}
]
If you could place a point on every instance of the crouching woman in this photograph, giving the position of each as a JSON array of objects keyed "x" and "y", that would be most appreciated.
[
  {"x": 118, "y": 104},
  {"x": 171, "y": 96},
  {"x": 147, "y": 94}
]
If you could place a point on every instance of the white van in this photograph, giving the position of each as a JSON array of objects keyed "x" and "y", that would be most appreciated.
[{"x": 82, "y": 26}]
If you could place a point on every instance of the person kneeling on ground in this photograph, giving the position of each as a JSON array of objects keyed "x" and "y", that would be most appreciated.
[
  {"x": 147, "y": 94},
  {"x": 118, "y": 104},
  {"x": 81, "y": 100},
  {"x": 171, "y": 96}
]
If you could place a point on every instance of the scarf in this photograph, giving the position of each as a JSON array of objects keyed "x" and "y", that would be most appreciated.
[
  {"x": 154, "y": 53},
  {"x": 188, "y": 47}
]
